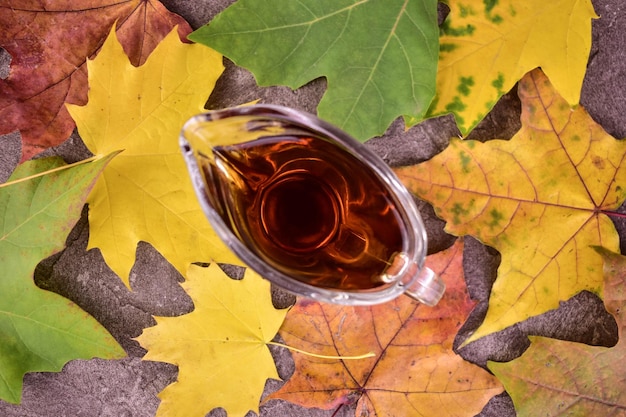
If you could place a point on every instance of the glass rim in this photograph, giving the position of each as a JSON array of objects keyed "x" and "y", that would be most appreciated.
[{"x": 413, "y": 246}]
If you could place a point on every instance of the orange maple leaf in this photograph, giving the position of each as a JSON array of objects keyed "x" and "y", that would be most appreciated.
[
  {"x": 414, "y": 370},
  {"x": 49, "y": 42}
]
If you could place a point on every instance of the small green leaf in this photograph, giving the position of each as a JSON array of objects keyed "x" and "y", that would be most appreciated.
[
  {"x": 40, "y": 330},
  {"x": 379, "y": 56}
]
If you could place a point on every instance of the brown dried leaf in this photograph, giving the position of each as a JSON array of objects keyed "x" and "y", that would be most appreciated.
[{"x": 49, "y": 41}]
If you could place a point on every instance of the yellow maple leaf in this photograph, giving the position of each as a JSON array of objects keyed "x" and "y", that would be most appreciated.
[
  {"x": 487, "y": 46},
  {"x": 220, "y": 348},
  {"x": 561, "y": 378},
  {"x": 542, "y": 199},
  {"x": 145, "y": 194}
]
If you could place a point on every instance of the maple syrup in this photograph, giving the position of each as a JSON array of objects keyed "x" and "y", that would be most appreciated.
[{"x": 308, "y": 208}]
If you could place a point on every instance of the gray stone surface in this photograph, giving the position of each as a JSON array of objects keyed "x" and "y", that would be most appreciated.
[{"x": 128, "y": 387}]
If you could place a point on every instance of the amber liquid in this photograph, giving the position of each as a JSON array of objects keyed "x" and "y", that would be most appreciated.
[{"x": 308, "y": 208}]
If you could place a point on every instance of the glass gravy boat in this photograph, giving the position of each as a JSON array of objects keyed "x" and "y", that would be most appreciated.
[{"x": 308, "y": 207}]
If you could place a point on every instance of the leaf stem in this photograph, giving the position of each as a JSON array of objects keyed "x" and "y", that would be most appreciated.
[
  {"x": 337, "y": 410},
  {"x": 614, "y": 213},
  {"x": 50, "y": 171},
  {"x": 315, "y": 355}
]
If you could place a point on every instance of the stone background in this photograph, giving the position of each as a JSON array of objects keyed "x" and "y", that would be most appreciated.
[{"x": 128, "y": 387}]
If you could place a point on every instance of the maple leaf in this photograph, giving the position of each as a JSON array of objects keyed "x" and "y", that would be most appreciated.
[
  {"x": 40, "y": 330},
  {"x": 540, "y": 199},
  {"x": 560, "y": 378},
  {"x": 49, "y": 42},
  {"x": 379, "y": 56},
  {"x": 145, "y": 194},
  {"x": 414, "y": 370},
  {"x": 487, "y": 46},
  {"x": 220, "y": 347}
]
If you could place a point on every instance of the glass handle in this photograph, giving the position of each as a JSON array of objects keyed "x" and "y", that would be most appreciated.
[{"x": 428, "y": 288}]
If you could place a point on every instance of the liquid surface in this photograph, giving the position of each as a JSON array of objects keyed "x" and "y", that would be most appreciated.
[{"x": 308, "y": 208}]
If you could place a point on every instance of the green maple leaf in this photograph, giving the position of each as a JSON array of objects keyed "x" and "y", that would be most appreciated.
[
  {"x": 40, "y": 330},
  {"x": 379, "y": 56}
]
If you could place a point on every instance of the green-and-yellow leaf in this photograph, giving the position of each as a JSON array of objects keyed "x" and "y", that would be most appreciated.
[
  {"x": 40, "y": 330},
  {"x": 487, "y": 46}
]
